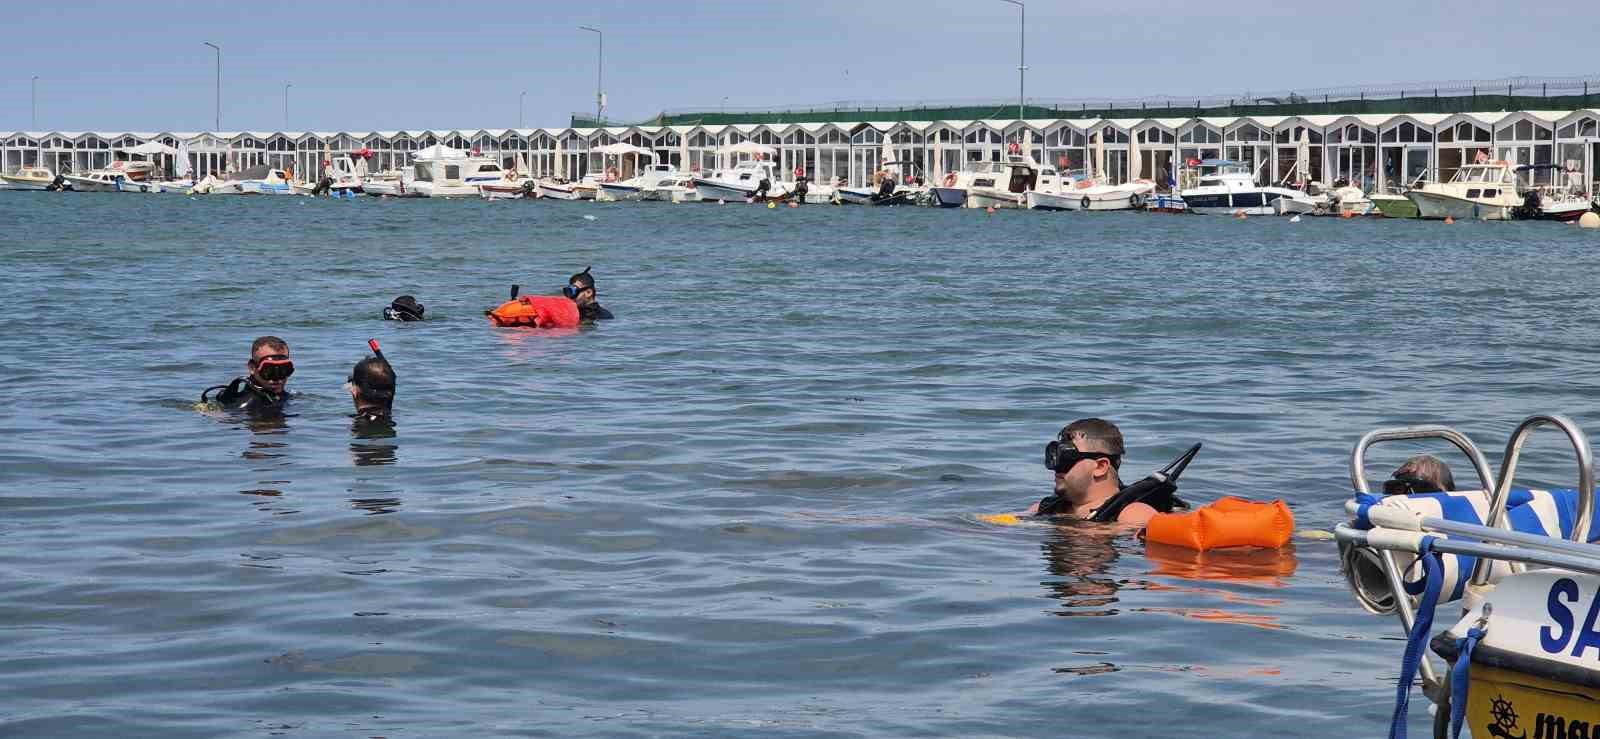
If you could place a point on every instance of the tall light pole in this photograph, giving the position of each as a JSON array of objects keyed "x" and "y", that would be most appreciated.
[
  {"x": 599, "y": 76},
  {"x": 286, "y": 87},
  {"x": 33, "y": 100},
  {"x": 1022, "y": 57},
  {"x": 724, "y": 104},
  {"x": 219, "y": 85},
  {"x": 520, "y": 96}
]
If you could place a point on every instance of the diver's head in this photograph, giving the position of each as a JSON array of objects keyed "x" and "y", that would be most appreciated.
[
  {"x": 1084, "y": 456},
  {"x": 407, "y": 308},
  {"x": 269, "y": 363},
  {"x": 371, "y": 384},
  {"x": 1423, "y": 473},
  {"x": 580, "y": 288}
]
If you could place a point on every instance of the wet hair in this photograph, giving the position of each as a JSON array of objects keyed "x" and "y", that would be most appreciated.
[
  {"x": 270, "y": 342},
  {"x": 408, "y": 304},
  {"x": 582, "y": 279},
  {"x": 1430, "y": 468},
  {"x": 373, "y": 379},
  {"x": 1102, "y": 435}
]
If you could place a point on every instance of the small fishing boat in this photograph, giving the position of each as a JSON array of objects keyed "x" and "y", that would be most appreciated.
[
  {"x": 30, "y": 178},
  {"x": 343, "y": 177},
  {"x": 393, "y": 183},
  {"x": 1516, "y": 570},
  {"x": 678, "y": 189},
  {"x": 1486, "y": 191},
  {"x": 1393, "y": 204},
  {"x": 748, "y": 180},
  {"x": 1559, "y": 196},
  {"x": 987, "y": 184},
  {"x": 633, "y": 189},
  {"x": 908, "y": 186},
  {"x": 121, "y": 176}
]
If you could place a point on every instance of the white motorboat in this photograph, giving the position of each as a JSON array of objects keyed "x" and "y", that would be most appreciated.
[
  {"x": 1093, "y": 193},
  {"x": 678, "y": 189},
  {"x": 344, "y": 177},
  {"x": 1054, "y": 191},
  {"x": 446, "y": 176},
  {"x": 1229, "y": 188},
  {"x": 1561, "y": 198},
  {"x": 392, "y": 183},
  {"x": 29, "y": 178},
  {"x": 633, "y": 189},
  {"x": 747, "y": 180},
  {"x": 1485, "y": 191},
  {"x": 987, "y": 184},
  {"x": 909, "y": 186},
  {"x": 121, "y": 176},
  {"x": 261, "y": 179}
]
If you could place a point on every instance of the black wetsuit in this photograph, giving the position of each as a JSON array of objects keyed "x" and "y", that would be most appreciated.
[
  {"x": 391, "y": 314},
  {"x": 244, "y": 395},
  {"x": 593, "y": 312}
]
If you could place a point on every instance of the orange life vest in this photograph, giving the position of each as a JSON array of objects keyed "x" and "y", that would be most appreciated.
[
  {"x": 1229, "y": 522},
  {"x": 537, "y": 311}
]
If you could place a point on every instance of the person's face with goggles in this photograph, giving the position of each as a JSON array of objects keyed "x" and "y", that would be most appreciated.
[
  {"x": 580, "y": 294},
  {"x": 271, "y": 367},
  {"x": 1064, "y": 458}
]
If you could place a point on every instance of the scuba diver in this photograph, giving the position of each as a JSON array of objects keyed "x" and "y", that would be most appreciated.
[
  {"x": 762, "y": 188},
  {"x": 371, "y": 385},
  {"x": 580, "y": 289},
  {"x": 404, "y": 308},
  {"x": 262, "y": 390},
  {"x": 1085, "y": 457},
  {"x": 802, "y": 186}
]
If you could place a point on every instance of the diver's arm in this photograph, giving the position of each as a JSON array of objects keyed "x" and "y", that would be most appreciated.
[{"x": 1136, "y": 514}]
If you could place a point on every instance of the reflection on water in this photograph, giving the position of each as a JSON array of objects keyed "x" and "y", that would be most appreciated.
[
  {"x": 365, "y": 451},
  {"x": 1243, "y": 566},
  {"x": 1078, "y": 555},
  {"x": 375, "y": 506}
]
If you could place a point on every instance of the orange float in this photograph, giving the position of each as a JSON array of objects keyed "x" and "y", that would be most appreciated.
[
  {"x": 1229, "y": 522},
  {"x": 536, "y": 311}
]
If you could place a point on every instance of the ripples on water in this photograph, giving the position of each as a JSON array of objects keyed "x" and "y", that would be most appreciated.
[{"x": 747, "y": 505}]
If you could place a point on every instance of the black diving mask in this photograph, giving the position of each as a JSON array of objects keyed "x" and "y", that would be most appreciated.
[
  {"x": 273, "y": 367},
  {"x": 1061, "y": 457},
  {"x": 1408, "y": 484},
  {"x": 573, "y": 291}
]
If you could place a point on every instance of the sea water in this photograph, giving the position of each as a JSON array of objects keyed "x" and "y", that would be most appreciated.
[{"x": 747, "y": 505}]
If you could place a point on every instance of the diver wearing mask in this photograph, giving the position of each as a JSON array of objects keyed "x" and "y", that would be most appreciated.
[
  {"x": 263, "y": 390},
  {"x": 404, "y": 308},
  {"x": 371, "y": 385},
  {"x": 580, "y": 289},
  {"x": 1423, "y": 473},
  {"x": 1086, "y": 457}
]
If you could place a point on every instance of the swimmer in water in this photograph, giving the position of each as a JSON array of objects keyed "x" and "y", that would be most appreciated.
[
  {"x": 371, "y": 385},
  {"x": 1423, "y": 473},
  {"x": 1085, "y": 458},
  {"x": 404, "y": 308},
  {"x": 580, "y": 288},
  {"x": 264, "y": 389}
]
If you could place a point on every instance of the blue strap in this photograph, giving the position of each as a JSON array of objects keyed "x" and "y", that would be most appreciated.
[
  {"x": 1417, "y": 641},
  {"x": 1459, "y": 676}
]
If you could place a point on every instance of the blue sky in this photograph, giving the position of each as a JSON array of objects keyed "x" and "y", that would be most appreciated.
[{"x": 359, "y": 65}]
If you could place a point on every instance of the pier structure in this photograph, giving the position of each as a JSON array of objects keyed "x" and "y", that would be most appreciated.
[{"x": 1377, "y": 150}]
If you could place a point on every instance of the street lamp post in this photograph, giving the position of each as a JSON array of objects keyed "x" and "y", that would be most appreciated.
[
  {"x": 724, "y": 104},
  {"x": 33, "y": 100},
  {"x": 1022, "y": 56},
  {"x": 286, "y": 87},
  {"x": 520, "y": 96},
  {"x": 219, "y": 84},
  {"x": 599, "y": 75}
]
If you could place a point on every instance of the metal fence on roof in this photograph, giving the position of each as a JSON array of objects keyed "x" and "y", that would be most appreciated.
[{"x": 1453, "y": 96}]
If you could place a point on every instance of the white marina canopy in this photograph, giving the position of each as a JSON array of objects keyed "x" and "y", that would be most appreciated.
[
  {"x": 747, "y": 147},
  {"x": 440, "y": 151}
]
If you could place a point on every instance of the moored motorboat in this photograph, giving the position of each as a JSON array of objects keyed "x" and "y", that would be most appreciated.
[
  {"x": 1560, "y": 197},
  {"x": 748, "y": 180},
  {"x": 30, "y": 178},
  {"x": 1230, "y": 188},
  {"x": 343, "y": 177},
  {"x": 121, "y": 176},
  {"x": 1485, "y": 191},
  {"x": 634, "y": 188},
  {"x": 1393, "y": 204}
]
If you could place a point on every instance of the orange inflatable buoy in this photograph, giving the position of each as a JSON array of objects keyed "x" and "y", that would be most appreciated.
[
  {"x": 537, "y": 311},
  {"x": 1229, "y": 522}
]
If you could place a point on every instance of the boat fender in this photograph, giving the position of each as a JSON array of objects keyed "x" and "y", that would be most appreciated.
[
  {"x": 950, "y": 180},
  {"x": 1084, "y": 203},
  {"x": 537, "y": 311},
  {"x": 1136, "y": 201},
  {"x": 1229, "y": 522}
]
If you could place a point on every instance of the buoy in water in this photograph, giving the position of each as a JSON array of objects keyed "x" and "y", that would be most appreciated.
[
  {"x": 771, "y": 205},
  {"x": 989, "y": 210},
  {"x": 1347, "y": 214},
  {"x": 720, "y": 201},
  {"x": 1295, "y": 219},
  {"x": 793, "y": 204},
  {"x": 1449, "y": 220},
  {"x": 1589, "y": 220},
  {"x": 588, "y": 218}
]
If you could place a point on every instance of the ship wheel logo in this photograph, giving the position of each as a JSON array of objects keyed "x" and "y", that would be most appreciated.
[{"x": 1505, "y": 719}]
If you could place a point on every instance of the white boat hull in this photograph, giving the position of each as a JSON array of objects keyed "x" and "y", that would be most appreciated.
[
  {"x": 1050, "y": 201},
  {"x": 986, "y": 198},
  {"x": 84, "y": 184},
  {"x": 1438, "y": 206},
  {"x": 22, "y": 183},
  {"x": 712, "y": 191},
  {"x": 556, "y": 191},
  {"x": 616, "y": 192}
]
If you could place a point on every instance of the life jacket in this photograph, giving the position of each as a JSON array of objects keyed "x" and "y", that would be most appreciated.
[
  {"x": 537, "y": 311},
  {"x": 1159, "y": 491},
  {"x": 1229, "y": 522},
  {"x": 244, "y": 395}
]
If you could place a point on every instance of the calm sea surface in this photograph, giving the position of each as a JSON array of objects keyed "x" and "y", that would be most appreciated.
[{"x": 746, "y": 506}]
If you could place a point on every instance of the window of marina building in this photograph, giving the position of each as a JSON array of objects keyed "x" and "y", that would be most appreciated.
[
  {"x": 1406, "y": 150},
  {"x": 1353, "y": 153},
  {"x": 1108, "y": 151},
  {"x": 1461, "y": 140},
  {"x": 1249, "y": 144},
  {"x": 1579, "y": 135},
  {"x": 833, "y": 155},
  {"x": 1066, "y": 148},
  {"x": 1297, "y": 143},
  {"x": 1197, "y": 142},
  {"x": 798, "y": 151},
  {"x": 1522, "y": 139},
  {"x": 944, "y": 146},
  {"x": 1155, "y": 143}
]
